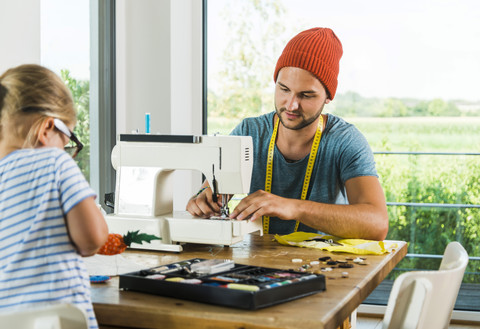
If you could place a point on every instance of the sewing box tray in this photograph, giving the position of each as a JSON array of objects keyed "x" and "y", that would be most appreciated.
[{"x": 225, "y": 283}]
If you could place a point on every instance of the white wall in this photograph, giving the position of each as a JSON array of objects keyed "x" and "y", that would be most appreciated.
[
  {"x": 159, "y": 65},
  {"x": 20, "y": 33},
  {"x": 159, "y": 70}
]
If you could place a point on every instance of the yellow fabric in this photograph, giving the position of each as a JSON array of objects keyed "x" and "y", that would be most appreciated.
[{"x": 352, "y": 246}]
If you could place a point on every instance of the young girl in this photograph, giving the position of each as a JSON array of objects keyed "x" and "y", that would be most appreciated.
[{"x": 48, "y": 217}]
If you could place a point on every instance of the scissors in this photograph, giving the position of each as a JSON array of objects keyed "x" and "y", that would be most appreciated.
[{"x": 329, "y": 241}]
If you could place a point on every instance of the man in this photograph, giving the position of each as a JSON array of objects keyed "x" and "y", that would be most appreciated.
[{"x": 312, "y": 171}]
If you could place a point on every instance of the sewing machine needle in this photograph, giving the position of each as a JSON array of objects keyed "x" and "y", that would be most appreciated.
[{"x": 225, "y": 211}]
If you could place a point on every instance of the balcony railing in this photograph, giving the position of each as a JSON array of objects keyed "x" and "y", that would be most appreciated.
[{"x": 469, "y": 295}]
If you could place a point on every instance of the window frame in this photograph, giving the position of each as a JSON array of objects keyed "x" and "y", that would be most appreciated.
[{"x": 102, "y": 95}]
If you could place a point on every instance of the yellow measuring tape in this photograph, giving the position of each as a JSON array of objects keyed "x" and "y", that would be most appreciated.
[{"x": 308, "y": 173}]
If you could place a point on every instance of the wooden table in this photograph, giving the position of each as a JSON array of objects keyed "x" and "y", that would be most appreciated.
[{"x": 328, "y": 309}]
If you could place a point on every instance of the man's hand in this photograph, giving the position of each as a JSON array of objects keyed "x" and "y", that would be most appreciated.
[
  {"x": 262, "y": 203},
  {"x": 365, "y": 217},
  {"x": 202, "y": 205}
]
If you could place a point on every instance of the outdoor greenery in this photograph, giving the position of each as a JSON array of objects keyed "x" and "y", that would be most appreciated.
[
  {"x": 247, "y": 56},
  {"x": 81, "y": 97},
  {"x": 426, "y": 179},
  {"x": 352, "y": 104}
]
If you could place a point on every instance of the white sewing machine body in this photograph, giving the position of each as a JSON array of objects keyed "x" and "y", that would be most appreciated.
[{"x": 144, "y": 187}]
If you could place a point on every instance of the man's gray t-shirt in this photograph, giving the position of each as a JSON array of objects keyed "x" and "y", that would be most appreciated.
[{"x": 343, "y": 153}]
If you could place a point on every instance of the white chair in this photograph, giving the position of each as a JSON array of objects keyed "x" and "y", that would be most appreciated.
[
  {"x": 425, "y": 299},
  {"x": 61, "y": 316}
]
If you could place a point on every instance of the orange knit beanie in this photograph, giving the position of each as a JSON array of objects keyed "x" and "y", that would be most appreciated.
[{"x": 316, "y": 50}]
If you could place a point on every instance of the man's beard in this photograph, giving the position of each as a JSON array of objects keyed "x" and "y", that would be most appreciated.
[{"x": 303, "y": 123}]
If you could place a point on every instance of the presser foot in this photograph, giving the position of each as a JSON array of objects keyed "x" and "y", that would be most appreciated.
[
  {"x": 224, "y": 210},
  {"x": 222, "y": 217}
]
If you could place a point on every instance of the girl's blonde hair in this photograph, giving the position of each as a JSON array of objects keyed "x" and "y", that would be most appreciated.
[{"x": 29, "y": 94}]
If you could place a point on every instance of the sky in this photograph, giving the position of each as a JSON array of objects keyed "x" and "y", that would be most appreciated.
[
  {"x": 410, "y": 48},
  {"x": 65, "y": 36},
  {"x": 407, "y": 48}
]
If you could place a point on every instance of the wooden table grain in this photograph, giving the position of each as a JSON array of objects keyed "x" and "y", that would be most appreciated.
[{"x": 115, "y": 308}]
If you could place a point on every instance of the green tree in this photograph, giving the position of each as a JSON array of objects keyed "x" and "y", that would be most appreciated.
[
  {"x": 419, "y": 109},
  {"x": 393, "y": 107},
  {"x": 249, "y": 59},
  {"x": 80, "y": 90},
  {"x": 439, "y": 107}
]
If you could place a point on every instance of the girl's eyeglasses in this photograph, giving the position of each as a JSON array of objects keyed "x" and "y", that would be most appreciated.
[{"x": 71, "y": 149}]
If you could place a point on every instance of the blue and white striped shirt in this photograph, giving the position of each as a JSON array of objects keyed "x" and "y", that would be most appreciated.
[{"x": 38, "y": 263}]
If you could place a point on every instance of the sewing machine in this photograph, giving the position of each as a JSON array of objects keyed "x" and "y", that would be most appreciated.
[{"x": 144, "y": 164}]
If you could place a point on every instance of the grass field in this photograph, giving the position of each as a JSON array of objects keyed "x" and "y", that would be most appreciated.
[
  {"x": 419, "y": 134},
  {"x": 423, "y": 134}
]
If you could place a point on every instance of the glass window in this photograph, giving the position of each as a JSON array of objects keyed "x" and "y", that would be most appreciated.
[
  {"x": 408, "y": 80},
  {"x": 65, "y": 49}
]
